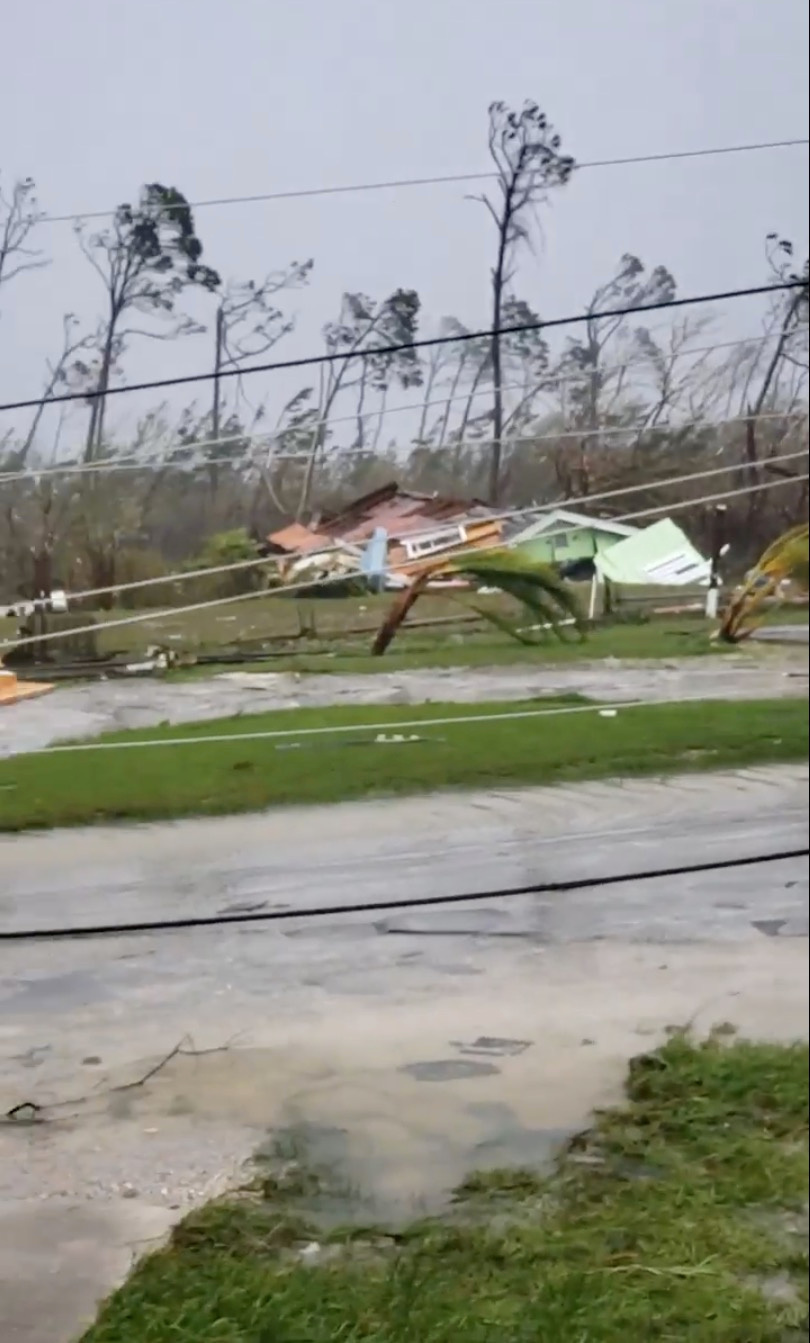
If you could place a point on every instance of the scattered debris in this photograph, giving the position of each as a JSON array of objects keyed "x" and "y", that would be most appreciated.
[
  {"x": 29, "y": 1112},
  {"x": 493, "y": 1046}
]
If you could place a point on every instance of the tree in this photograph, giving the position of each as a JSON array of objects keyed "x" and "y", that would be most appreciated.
[
  {"x": 470, "y": 360},
  {"x": 248, "y": 324},
  {"x": 145, "y": 259},
  {"x": 68, "y": 372},
  {"x": 525, "y": 149},
  {"x": 19, "y": 216},
  {"x": 538, "y": 589},
  {"x": 358, "y": 340},
  {"x": 591, "y": 389},
  {"x": 788, "y": 322},
  {"x": 786, "y": 559}
]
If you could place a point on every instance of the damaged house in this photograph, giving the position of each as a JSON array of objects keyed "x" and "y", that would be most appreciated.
[{"x": 385, "y": 534}]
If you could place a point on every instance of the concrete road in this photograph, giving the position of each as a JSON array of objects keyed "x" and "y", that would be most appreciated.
[
  {"x": 86, "y": 710},
  {"x": 399, "y": 1050},
  {"x": 783, "y": 634}
]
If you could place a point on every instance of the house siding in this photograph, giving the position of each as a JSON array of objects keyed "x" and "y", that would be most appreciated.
[{"x": 575, "y": 544}]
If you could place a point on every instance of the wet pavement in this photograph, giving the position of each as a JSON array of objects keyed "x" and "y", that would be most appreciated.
[
  {"x": 399, "y": 1050},
  {"x": 86, "y": 710},
  {"x": 783, "y": 634}
]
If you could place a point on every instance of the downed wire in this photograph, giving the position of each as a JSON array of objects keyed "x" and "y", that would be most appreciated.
[{"x": 382, "y": 906}]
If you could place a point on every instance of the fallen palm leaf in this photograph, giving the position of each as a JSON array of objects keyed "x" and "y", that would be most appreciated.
[
  {"x": 551, "y": 603},
  {"x": 785, "y": 558}
]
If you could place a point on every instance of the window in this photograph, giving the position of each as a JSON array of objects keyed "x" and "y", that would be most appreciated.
[{"x": 433, "y": 542}]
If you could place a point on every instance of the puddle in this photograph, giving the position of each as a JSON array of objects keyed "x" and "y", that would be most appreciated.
[
  {"x": 389, "y": 1140},
  {"x": 448, "y": 1070}
]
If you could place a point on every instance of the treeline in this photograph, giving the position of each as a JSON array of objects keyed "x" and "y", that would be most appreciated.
[{"x": 514, "y": 418}]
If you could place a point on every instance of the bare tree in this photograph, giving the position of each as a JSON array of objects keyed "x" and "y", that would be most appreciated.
[
  {"x": 248, "y": 324},
  {"x": 592, "y": 388},
  {"x": 789, "y": 319},
  {"x": 680, "y": 380},
  {"x": 471, "y": 363},
  {"x": 19, "y": 216},
  {"x": 145, "y": 259},
  {"x": 359, "y": 337},
  {"x": 67, "y": 372},
  {"x": 529, "y": 163}
]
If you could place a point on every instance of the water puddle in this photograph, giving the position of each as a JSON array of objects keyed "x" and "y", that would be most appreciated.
[{"x": 388, "y": 1140}]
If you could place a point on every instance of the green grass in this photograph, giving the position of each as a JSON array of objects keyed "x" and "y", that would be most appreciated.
[
  {"x": 79, "y": 787},
  {"x": 332, "y": 648},
  {"x": 332, "y": 643},
  {"x": 675, "y": 1219},
  {"x": 468, "y": 646}
]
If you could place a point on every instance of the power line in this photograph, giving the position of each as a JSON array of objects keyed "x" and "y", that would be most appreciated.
[
  {"x": 385, "y": 906},
  {"x": 442, "y": 179},
  {"x": 552, "y": 436},
  {"x": 340, "y": 729},
  {"x": 266, "y": 438},
  {"x": 188, "y": 575},
  {"x": 288, "y": 588},
  {"x": 430, "y": 342}
]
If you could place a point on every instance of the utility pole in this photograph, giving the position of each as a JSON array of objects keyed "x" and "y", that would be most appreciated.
[{"x": 718, "y": 550}]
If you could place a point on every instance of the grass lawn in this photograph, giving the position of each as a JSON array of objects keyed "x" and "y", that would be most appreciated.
[
  {"x": 332, "y": 647},
  {"x": 238, "y": 774},
  {"x": 681, "y": 1219},
  {"x": 334, "y": 640},
  {"x": 481, "y": 646}
]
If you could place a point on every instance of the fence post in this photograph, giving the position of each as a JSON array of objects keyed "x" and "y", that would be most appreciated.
[{"x": 718, "y": 543}]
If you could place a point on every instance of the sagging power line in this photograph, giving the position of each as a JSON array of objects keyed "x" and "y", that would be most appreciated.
[{"x": 382, "y": 351}]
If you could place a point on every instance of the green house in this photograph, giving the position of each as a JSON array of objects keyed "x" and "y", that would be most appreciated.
[{"x": 564, "y": 537}]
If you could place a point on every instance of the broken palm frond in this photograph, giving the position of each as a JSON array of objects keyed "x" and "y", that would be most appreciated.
[
  {"x": 786, "y": 558},
  {"x": 538, "y": 588}
]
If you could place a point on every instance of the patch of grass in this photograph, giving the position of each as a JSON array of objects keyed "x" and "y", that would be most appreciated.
[
  {"x": 479, "y": 645},
  {"x": 471, "y": 647},
  {"x": 693, "y": 1249},
  {"x": 238, "y": 774},
  {"x": 334, "y": 633},
  {"x": 514, "y": 1182}
]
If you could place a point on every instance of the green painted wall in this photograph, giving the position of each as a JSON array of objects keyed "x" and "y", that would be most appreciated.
[{"x": 576, "y": 544}]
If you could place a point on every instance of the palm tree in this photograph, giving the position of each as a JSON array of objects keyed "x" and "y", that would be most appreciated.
[
  {"x": 548, "y": 600},
  {"x": 785, "y": 558}
]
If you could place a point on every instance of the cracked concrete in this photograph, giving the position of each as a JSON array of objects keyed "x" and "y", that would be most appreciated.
[
  {"x": 86, "y": 710},
  {"x": 399, "y": 1049}
]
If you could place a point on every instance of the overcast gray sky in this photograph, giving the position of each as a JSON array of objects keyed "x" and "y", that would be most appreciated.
[{"x": 99, "y": 96}]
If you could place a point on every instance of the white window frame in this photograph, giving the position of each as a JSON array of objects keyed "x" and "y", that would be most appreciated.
[{"x": 433, "y": 542}]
